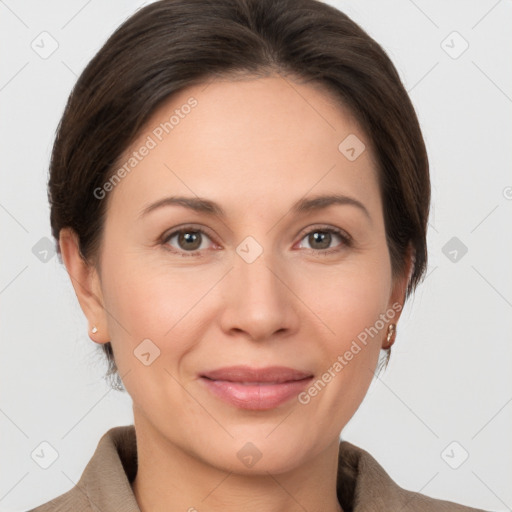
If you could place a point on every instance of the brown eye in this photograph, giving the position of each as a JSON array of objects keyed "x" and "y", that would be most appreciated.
[
  {"x": 187, "y": 240},
  {"x": 321, "y": 240}
]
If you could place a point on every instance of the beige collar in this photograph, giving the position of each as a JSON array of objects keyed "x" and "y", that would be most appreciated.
[{"x": 363, "y": 485}]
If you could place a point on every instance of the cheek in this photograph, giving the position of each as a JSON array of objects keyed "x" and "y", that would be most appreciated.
[
  {"x": 148, "y": 298},
  {"x": 348, "y": 299},
  {"x": 350, "y": 305},
  {"x": 350, "y": 356},
  {"x": 149, "y": 303},
  {"x": 152, "y": 301},
  {"x": 353, "y": 352}
]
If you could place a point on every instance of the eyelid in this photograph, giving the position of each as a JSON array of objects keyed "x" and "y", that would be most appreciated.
[
  {"x": 325, "y": 227},
  {"x": 186, "y": 227}
]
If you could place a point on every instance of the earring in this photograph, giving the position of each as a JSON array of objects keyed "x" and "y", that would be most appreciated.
[
  {"x": 94, "y": 330},
  {"x": 390, "y": 338}
]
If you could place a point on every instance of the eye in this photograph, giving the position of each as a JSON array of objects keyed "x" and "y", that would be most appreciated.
[
  {"x": 188, "y": 241},
  {"x": 321, "y": 238}
]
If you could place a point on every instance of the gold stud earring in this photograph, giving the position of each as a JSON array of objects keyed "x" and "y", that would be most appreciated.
[{"x": 391, "y": 335}]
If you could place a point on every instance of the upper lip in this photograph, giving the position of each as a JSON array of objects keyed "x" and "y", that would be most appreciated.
[{"x": 275, "y": 374}]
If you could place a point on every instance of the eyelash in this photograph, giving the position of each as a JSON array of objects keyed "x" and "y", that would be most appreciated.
[{"x": 345, "y": 238}]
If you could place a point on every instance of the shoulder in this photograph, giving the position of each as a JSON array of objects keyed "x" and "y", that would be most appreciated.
[
  {"x": 363, "y": 484},
  {"x": 105, "y": 483},
  {"x": 74, "y": 499}
]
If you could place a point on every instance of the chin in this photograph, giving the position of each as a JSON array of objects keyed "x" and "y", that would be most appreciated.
[{"x": 254, "y": 452}]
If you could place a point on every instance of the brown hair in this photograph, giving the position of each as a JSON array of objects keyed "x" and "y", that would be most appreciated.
[{"x": 171, "y": 44}]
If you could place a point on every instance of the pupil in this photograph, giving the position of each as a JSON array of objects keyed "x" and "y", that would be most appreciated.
[
  {"x": 187, "y": 237},
  {"x": 323, "y": 238}
]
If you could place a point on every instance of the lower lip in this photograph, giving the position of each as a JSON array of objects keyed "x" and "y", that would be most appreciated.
[{"x": 255, "y": 396}]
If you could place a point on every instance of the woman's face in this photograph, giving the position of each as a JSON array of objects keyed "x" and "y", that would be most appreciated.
[{"x": 264, "y": 284}]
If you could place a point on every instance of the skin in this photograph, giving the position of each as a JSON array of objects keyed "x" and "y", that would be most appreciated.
[{"x": 254, "y": 146}]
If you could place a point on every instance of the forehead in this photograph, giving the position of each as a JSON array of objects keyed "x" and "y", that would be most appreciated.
[{"x": 248, "y": 140}]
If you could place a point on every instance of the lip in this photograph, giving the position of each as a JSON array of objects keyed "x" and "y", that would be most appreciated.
[{"x": 256, "y": 388}]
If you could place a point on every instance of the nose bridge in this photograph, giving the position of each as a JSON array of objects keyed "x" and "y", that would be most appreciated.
[
  {"x": 253, "y": 266},
  {"x": 259, "y": 303}
]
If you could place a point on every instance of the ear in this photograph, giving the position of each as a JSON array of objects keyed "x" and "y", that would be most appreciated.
[
  {"x": 399, "y": 288},
  {"x": 86, "y": 282}
]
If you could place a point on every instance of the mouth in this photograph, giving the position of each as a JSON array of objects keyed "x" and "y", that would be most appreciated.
[{"x": 256, "y": 388}]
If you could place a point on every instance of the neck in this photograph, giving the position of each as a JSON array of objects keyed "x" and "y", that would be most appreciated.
[{"x": 169, "y": 478}]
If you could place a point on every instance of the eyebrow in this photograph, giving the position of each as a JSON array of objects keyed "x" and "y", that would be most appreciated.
[{"x": 303, "y": 205}]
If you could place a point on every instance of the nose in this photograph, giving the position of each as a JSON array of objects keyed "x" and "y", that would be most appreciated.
[{"x": 259, "y": 300}]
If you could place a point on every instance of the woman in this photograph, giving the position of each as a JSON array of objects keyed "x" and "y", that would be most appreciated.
[{"x": 276, "y": 139}]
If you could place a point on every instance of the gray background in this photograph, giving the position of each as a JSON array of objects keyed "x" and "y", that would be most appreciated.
[{"x": 449, "y": 379}]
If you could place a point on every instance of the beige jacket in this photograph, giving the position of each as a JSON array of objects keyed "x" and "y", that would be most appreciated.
[{"x": 363, "y": 485}]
